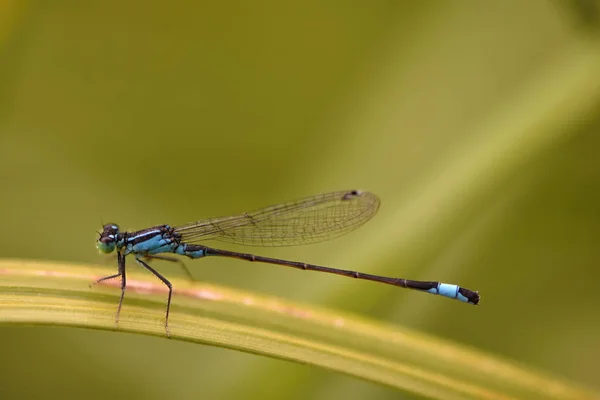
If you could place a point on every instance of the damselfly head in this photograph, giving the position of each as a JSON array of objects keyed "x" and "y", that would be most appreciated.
[{"x": 108, "y": 237}]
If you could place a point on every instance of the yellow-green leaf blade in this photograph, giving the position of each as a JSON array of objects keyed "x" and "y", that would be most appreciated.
[{"x": 58, "y": 294}]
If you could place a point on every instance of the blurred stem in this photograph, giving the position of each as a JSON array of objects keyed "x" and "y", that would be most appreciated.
[{"x": 58, "y": 294}]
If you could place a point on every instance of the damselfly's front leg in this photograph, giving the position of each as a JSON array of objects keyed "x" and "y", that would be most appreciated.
[{"x": 121, "y": 273}]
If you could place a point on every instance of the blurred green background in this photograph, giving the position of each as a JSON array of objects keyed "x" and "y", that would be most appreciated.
[{"x": 475, "y": 122}]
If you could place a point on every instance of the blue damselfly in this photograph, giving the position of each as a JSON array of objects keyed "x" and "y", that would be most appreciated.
[{"x": 309, "y": 220}]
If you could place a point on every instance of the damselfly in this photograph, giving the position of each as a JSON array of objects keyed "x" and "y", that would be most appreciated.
[{"x": 309, "y": 220}]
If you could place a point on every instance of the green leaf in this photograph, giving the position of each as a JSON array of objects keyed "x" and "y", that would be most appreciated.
[{"x": 44, "y": 293}]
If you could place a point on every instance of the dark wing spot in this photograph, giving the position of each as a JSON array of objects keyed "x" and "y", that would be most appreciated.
[{"x": 352, "y": 194}]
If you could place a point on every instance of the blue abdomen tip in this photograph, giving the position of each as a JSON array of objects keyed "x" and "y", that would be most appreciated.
[{"x": 448, "y": 290}]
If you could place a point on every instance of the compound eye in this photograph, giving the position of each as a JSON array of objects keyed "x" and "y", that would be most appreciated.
[
  {"x": 110, "y": 229},
  {"x": 107, "y": 239}
]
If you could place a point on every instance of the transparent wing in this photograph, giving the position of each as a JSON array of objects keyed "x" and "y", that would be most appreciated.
[{"x": 309, "y": 220}]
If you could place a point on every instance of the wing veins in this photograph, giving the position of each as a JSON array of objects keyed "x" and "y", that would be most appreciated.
[{"x": 309, "y": 220}]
